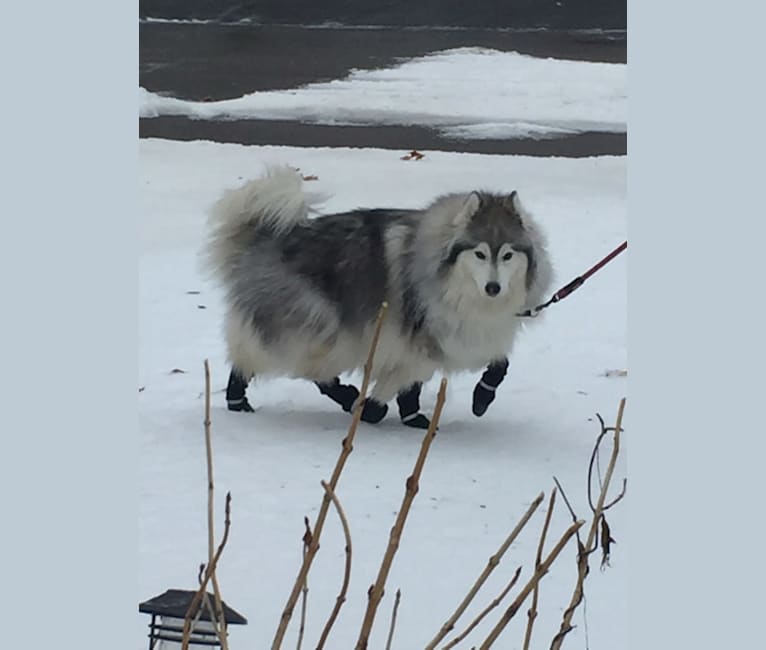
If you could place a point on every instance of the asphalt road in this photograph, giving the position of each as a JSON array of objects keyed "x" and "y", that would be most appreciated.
[{"x": 212, "y": 61}]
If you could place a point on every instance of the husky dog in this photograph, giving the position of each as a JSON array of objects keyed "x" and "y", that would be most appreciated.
[{"x": 302, "y": 294}]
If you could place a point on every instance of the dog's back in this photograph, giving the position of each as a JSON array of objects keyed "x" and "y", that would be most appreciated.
[{"x": 323, "y": 274}]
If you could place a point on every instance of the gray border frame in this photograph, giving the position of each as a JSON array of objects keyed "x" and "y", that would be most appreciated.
[
  {"x": 69, "y": 288},
  {"x": 695, "y": 335}
]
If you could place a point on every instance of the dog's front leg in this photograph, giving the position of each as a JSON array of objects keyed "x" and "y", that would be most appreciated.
[
  {"x": 409, "y": 407},
  {"x": 388, "y": 384},
  {"x": 484, "y": 392}
]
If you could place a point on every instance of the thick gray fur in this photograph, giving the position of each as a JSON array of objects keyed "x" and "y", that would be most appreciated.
[{"x": 303, "y": 292}]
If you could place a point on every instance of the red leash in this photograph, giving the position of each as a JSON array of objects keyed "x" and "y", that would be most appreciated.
[{"x": 574, "y": 284}]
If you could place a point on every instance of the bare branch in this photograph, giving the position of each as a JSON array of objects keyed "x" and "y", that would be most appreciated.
[
  {"x": 532, "y": 613},
  {"x": 566, "y": 501},
  {"x": 494, "y": 560},
  {"x": 218, "y": 619},
  {"x": 618, "y": 497},
  {"x": 305, "y": 590},
  {"x": 213, "y": 616},
  {"x": 412, "y": 485},
  {"x": 208, "y": 574},
  {"x": 594, "y": 459},
  {"x": 206, "y": 603},
  {"x": 590, "y": 545},
  {"x": 484, "y": 612},
  {"x": 393, "y": 619},
  {"x": 539, "y": 573},
  {"x": 346, "y": 449},
  {"x": 569, "y": 506},
  {"x": 347, "y": 571}
]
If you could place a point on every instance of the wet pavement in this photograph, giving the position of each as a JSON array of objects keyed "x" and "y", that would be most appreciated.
[{"x": 213, "y": 61}]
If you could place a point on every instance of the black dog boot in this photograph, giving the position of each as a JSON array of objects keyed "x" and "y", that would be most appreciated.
[
  {"x": 484, "y": 393},
  {"x": 343, "y": 394},
  {"x": 236, "y": 399},
  {"x": 373, "y": 411},
  {"x": 409, "y": 407},
  {"x": 347, "y": 395}
]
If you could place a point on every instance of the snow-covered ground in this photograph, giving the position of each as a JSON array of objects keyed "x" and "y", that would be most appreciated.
[
  {"x": 481, "y": 473},
  {"x": 465, "y": 93}
]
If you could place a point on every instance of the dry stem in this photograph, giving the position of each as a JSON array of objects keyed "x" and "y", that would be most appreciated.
[
  {"x": 539, "y": 573},
  {"x": 484, "y": 612},
  {"x": 393, "y": 619},
  {"x": 347, "y": 571},
  {"x": 304, "y": 594},
  {"x": 206, "y": 603},
  {"x": 375, "y": 593},
  {"x": 218, "y": 625},
  {"x": 494, "y": 560},
  {"x": 582, "y": 560},
  {"x": 209, "y": 571},
  {"x": 346, "y": 449},
  {"x": 532, "y": 613},
  {"x": 205, "y": 600}
]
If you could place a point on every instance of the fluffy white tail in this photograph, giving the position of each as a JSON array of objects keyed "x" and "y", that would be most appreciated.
[{"x": 274, "y": 202}]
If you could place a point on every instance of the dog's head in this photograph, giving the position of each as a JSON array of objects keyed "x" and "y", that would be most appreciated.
[{"x": 492, "y": 246}]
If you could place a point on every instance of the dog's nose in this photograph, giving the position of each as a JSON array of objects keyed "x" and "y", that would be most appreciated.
[{"x": 492, "y": 288}]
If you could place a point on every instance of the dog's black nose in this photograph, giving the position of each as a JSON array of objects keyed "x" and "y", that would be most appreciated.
[{"x": 492, "y": 288}]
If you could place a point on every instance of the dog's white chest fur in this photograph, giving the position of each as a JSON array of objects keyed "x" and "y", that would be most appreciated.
[{"x": 471, "y": 341}]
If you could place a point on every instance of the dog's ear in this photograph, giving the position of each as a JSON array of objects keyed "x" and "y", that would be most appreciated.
[
  {"x": 512, "y": 203},
  {"x": 467, "y": 210}
]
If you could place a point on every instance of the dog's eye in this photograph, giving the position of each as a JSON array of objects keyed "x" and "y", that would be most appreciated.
[
  {"x": 480, "y": 255},
  {"x": 507, "y": 256}
]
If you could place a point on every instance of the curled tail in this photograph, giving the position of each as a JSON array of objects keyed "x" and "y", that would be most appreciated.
[{"x": 273, "y": 204}]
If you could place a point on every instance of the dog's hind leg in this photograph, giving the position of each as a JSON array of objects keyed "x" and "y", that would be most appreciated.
[
  {"x": 236, "y": 399},
  {"x": 374, "y": 411},
  {"x": 343, "y": 394},
  {"x": 389, "y": 385},
  {"x": 347, "y": 395},
  {"x": 409, "y": 407},
  {"x": 484, "y": 392}
]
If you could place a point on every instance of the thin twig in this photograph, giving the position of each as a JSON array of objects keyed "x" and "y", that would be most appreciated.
[
  {"x": 197, "y": 616},
  {"x": 208, "y": 573},
  {"x": 393, "y": 619},
  {"x": 569, "y": 507},
  {"x": 494, "y": 560},
  {"x": 211, "y": 612},
  {"x": 589, "y": 547},
  {"x": 532, "y": 613},
  {"x": 219, "y": 621},
  {"x": 375, "y": 594},
  {"x": 618, "y": 498},
  {"x": 594, "y": 459},
  {"x": 598, "y": 467},
  {"x": 205, "y": 601},
  {"x": 484, "y": 612},
  {"x": 305, "y": 590},
  {"x": 538, "y": 574},
  {"x": 347, "y": 571},
  {"x": 346, "y": 449},
  {"x": 566, "y": 501}
]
